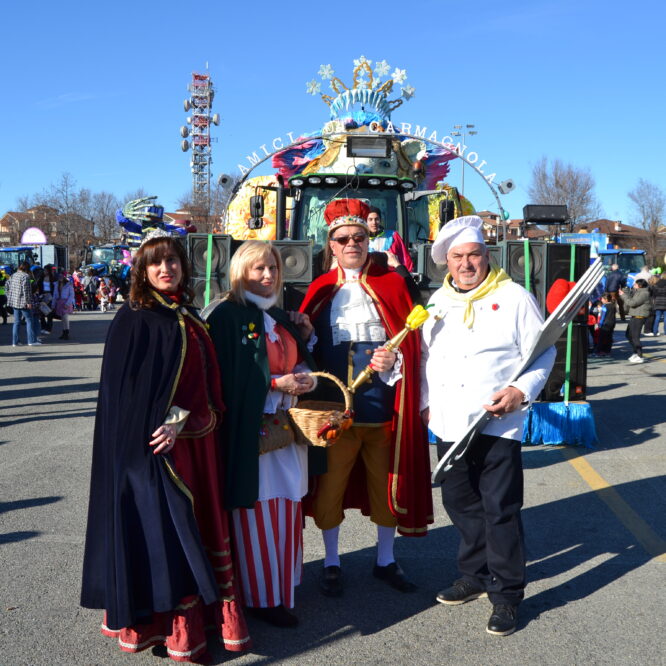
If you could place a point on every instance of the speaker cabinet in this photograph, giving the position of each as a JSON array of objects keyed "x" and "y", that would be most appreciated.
[
  {"x": 496, "y": 253},
  {"x": 545, "y": 214},
  {"x": 296, "y": 261},
  {"x": 554, "y": 389},
  {"x": 432, "y": 273},
  {"x": 197, "y": 252},
  {"x": 548, "y": 262}
]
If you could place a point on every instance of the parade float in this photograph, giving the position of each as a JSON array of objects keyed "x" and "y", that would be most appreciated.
[{"x": 360, "y": 152}]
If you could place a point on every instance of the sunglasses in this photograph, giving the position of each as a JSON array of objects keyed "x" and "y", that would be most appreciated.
[{"x": 344, "y": 240}]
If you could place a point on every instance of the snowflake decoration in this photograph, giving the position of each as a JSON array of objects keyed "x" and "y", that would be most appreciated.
[
  {"x": 382, "y": 69},
  {"x": 362, "y": 60},
  {"x": 408, "y": 92},
  {"x": 326, "y": 72},
  {"x": 399, "y": 76},
  {"x": 313, "y": 87},
  {"x": 363, "y": 84}
]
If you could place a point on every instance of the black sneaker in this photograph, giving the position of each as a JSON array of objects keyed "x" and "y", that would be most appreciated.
[
  {"x": 503, "y": 620},
  {"x": 460, "y": 592}
]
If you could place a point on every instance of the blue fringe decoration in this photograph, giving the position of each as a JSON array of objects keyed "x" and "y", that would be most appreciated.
[{"x": 560, "y": 423}]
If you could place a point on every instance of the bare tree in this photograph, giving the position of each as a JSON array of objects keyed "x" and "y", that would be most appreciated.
[
  {"x": 105, "y": 206},
  {"x": 560, "y": 183},
  {"x": 198, "y": 212},
  {"x": 68, "y": 222},
  {"x": 650, "y": 201}
]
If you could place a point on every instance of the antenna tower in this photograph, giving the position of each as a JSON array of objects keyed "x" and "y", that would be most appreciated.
[{"x": 199, "y": 105}]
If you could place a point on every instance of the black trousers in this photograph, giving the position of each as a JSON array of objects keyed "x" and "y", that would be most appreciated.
[
  {"x": 483, "y": 495},
  {"x": 604, "y": 341},
  {"x": 633, "y": 334}
]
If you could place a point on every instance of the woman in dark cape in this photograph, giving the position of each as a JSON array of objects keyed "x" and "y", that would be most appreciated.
[{"x": 158, "y": 556}]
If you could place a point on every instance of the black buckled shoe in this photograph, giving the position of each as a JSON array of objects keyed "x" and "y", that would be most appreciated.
[
  {"x": 460, "y": 592},
  {"x": 278, "y": 616},
  {"x": 503, "y": 620},
  {"x": 331, "y": 581},
  {"x": 394, "y": 576}
]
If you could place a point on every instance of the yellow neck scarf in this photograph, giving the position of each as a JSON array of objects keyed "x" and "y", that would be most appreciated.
[{"x": 497, "y": 277}]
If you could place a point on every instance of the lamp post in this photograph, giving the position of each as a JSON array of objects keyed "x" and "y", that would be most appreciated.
[{"x": 463, "y": 130}]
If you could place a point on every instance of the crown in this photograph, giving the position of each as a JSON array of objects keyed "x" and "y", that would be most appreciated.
[{"x": 371, "y": 88}]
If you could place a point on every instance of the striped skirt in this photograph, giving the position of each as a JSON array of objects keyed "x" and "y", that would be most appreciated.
[{"x": 269, "y": 551}]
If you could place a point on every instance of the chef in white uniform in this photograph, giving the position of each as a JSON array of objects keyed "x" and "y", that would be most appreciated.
[{"x": 482, "y": 324}]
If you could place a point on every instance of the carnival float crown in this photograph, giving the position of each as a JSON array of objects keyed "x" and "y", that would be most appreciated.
[{"x": 370, "y": 89}]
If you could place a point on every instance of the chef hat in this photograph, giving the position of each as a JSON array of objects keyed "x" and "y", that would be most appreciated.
[
  {"x": 342, "y": 212},
  {"x": 466, "y": 229}
]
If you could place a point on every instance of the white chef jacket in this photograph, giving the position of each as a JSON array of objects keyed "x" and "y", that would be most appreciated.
[{"x": 462, "y": 367}]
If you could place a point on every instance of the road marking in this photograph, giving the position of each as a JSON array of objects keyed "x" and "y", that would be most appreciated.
[{"x": 651, "y": 542}]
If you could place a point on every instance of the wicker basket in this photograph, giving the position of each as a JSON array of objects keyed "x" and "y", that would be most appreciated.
[{"x": 310, "y": 416}]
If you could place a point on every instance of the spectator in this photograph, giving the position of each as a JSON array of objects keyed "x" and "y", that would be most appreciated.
[
  {"x": 45, "y": 287},
  {"x": 648, "y": 325},
  {"x": 638, "y": 303},
  {"x": 645, "y": 274},
  {"x": 3, "y": 295},
  {"x": 63, "y": 303},
  {"x": 90, "y": 286},
  {"x": 103, "y": 296},
  {"x": 659, "y": 305},
  {"x": 19, "y": 297},
  {"x": 77, "y": 278},
  {"x": 615, "y": 280},
  {"x": 607, "y": 316}
]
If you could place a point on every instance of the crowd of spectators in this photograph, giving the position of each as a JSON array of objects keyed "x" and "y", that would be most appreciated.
[{"x": 36, "y": 296}]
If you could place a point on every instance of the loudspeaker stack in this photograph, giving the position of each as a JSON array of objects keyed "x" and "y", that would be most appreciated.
[
  {"x": 197, "y": 252},
  {"x": 548, "y": 262}
]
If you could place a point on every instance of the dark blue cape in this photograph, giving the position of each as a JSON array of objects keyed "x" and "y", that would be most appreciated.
[{"x": 143, "y": 552}]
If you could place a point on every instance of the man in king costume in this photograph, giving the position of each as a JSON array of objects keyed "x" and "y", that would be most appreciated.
[{"x": 381, "y": 464}]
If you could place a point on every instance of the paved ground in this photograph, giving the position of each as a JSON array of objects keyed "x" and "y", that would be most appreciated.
[{"x": 595, "y": 522}]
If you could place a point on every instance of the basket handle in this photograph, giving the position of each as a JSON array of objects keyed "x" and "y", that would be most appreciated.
[{"x": 345, "y": 391}]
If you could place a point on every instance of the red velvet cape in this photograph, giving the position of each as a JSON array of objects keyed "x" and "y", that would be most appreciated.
[{"x": 409, "y": 489}]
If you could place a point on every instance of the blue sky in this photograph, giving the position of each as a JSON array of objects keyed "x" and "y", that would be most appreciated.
[{"x": 96, "y": 89}]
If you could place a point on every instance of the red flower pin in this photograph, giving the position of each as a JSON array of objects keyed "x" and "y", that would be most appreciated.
[{"x": 495, "y": 306}]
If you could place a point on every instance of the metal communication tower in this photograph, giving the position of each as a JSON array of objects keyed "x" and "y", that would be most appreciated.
[{"x": 200, "y": 105}]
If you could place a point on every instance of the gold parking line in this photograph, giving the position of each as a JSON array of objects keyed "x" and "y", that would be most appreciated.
[{"x": 651, "y": 542}]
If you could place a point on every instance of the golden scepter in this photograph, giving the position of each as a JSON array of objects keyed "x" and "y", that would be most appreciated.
[{"x": 415, "y": 319}]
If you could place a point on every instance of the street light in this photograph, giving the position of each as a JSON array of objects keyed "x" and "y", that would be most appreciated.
[{"x": 463, "y": 130}]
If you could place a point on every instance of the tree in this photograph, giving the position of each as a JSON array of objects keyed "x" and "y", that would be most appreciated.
[
  {"x": 559, "y": 183},
  {"x": 650, "y": 201},
  {"x": 104, "y": 207},
  {"x": 67, "y": 223}
]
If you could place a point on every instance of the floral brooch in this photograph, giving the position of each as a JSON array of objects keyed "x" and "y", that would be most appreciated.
[{"x": 248, "y": 333}]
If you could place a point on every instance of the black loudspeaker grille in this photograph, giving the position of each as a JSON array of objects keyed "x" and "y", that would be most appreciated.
[
  {"x": 515, "y": 267},
  {"x": 197, "y": 251},
  {"x": 548, "y": 262},
  {"x": 434, "y": 273},
  {"x": 198, "y": 284},
  {"x": 559, "y": 262},
  {"x": 496, "y": 253},
  {"x": 553, "y": 390},
  {"x": 536, "y": 214},
  {"x": 296, "y": 261}
]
